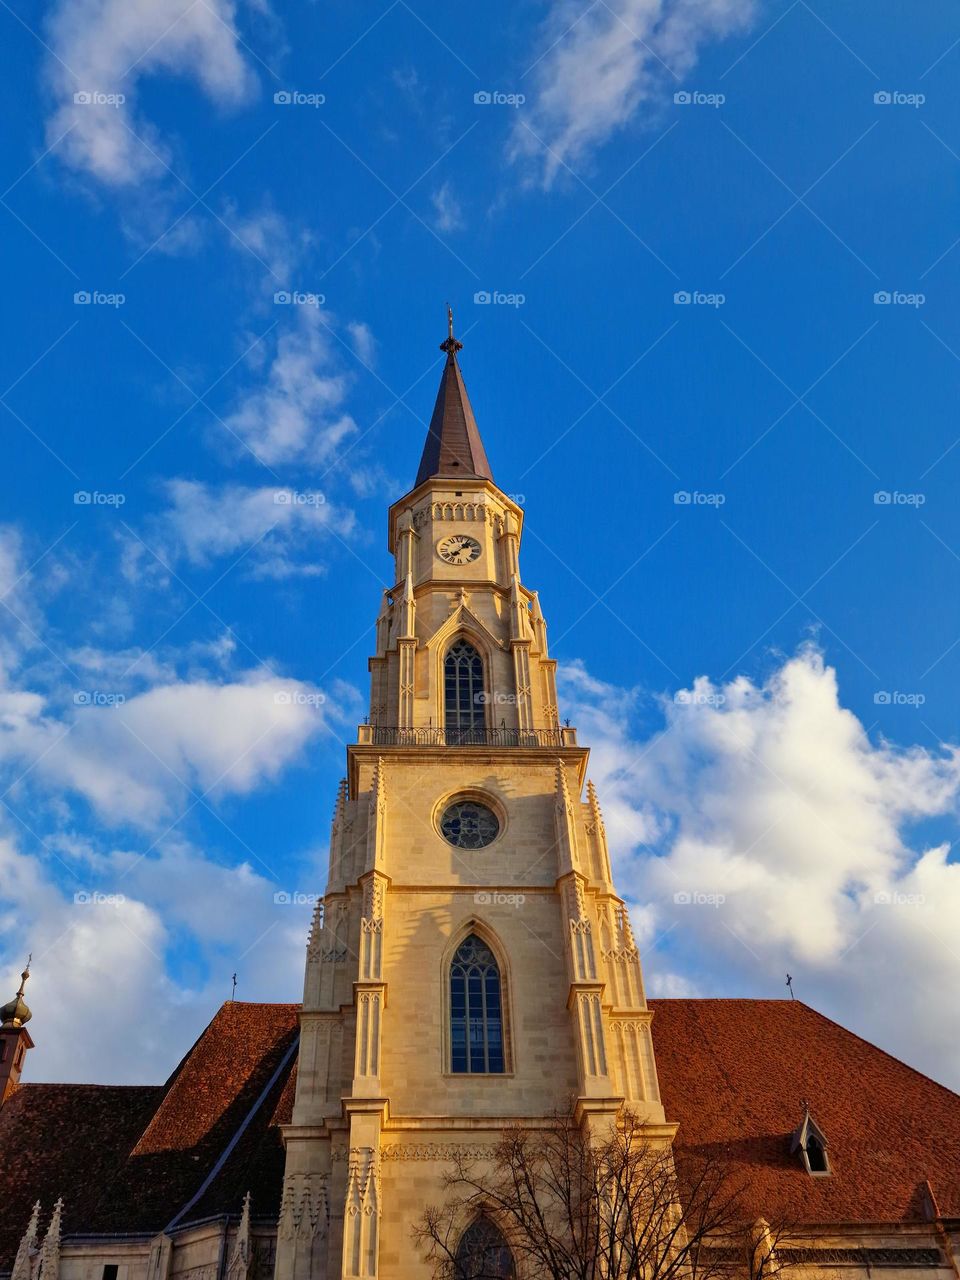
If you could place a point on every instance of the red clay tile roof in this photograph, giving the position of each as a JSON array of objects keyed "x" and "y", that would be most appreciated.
[
  {"x": 220, "y": 1080},
  {"x": 64, "y": 1139},
  {"x": 128, "y": 1159},
  {"x": 734, "y": 1074}
]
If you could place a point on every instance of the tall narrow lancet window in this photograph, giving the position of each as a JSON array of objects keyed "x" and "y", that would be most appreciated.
[
  {"x": 463, "y": 695},
  {"x": 483, "y": 1254},
  {"x": 476, "y": 1010}
]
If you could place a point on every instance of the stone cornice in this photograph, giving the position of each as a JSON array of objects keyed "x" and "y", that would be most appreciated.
[{"x": 358, "y": 753}]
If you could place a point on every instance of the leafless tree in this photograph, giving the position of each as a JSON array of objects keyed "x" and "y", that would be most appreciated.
[{"x": 564, "y": 1203}]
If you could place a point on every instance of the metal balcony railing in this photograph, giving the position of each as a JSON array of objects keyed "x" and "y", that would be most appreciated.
[{"x": 386, "y": 736}]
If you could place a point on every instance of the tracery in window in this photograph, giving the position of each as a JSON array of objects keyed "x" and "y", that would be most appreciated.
[
  {"x": 476, "y": 1010},
  {"x": 467, "y": 824},
  {"x": 483, "y": 1253},
  {"x": 463, "y": 693}
]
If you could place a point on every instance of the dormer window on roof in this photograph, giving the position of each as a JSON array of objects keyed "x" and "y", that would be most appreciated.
[{"x": 809, "y": 1140}]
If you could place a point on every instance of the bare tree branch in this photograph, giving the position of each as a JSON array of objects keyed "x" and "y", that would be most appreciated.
[{"x": 582, "y": 1202}]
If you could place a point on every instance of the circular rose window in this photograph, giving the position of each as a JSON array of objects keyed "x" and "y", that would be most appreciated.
[{"x": 469, "y": 825}]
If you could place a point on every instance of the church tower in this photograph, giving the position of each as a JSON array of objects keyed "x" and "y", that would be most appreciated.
[{"x": 471, "y": 965}]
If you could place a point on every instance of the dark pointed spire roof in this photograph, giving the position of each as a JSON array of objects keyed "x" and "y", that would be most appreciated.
[{"x": 453, "y": 446}]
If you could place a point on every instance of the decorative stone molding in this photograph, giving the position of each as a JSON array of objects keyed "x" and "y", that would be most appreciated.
[
  {"x": 371, "y": 928},
  {"x": 376, "y": 817},
  {"x": 583, "y": 967},
  {"x": 369, "y": 1009},
  {"x": 621, "y": 956},
  {"x": 538, "y": 624},
  {"x": 240, "y": 1264},
  {"x": 595, "y": 813},
  {"x": 315, "y": 938},
  {"x": 304, "y": 1207},
  {"x": 597, "y": 837},
  {"x": 406, "y": 676},
  {"x": 520, "y": 643},
  {"x": 374, "y": 891},
  {"x": 635, "y": 1052},
  {"x": 457, "y": 511},
  {"x": 435, "y": 1151},
  {"x": 879, "y": 1257},
  {"x": 27, "y": 1249},
  {"x": 361, "y": 1217},
  {"x": 338, "y": 832},
  {"x": 568, "y": 859},
  {"x": 332, "y": 950},
  {"x": 593, "y": 1054},
  {"x": 50, "y": 1249},
  {"x": 425, "y": 1151}
]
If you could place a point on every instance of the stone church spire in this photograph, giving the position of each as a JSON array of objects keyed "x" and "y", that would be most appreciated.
[
  {"x": 453, "y": 446},
  {"x": 462, "y": 804}
]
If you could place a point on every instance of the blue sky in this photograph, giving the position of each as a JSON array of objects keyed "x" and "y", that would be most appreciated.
[{"x": 768, "y": 671}]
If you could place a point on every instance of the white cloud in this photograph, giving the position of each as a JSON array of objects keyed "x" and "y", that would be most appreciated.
[
  {"x": 105, "y": 47},
  {"x": 270, "y": 526},
  {"x": 364, "y": 343},
  {"x": 299, "y": 414},
  {"x": 268, "y": 236},
  {"x": 158, "y": 926},
  {"x": 448, "y": 215},
  {"x": 17, "y": 611},
  {"x": 93, "y": 967},
  {"x": 772, "y": 798},
  {"x": 108, "y": 948},
  {"x": 602, "y": 68},
  {"x": 141, "y": 760}
]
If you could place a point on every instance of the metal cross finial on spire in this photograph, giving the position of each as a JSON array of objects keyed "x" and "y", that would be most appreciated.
[
  {"x": 233, "y": 993},
  {"x": 790, "y": 986},
  {"x": 451, "y": 346},
  {"x": 16, "y": 1011}
]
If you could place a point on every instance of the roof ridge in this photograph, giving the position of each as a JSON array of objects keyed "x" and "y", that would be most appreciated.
[
  {"x": 237, "y": 1134},
  {"x": 80, "y": 1084}
]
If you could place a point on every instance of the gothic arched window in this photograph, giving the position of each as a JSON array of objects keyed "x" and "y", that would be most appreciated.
[
  {"x": 476, "y": 1010},
  {"x": 463, "y": 693},
  {"x": 483, "y": 1253}
]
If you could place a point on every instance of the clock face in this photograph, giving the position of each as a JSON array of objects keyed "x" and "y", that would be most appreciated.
[{"x": 458, "y": 549}]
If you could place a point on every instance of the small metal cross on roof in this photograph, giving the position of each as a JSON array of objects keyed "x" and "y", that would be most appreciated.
[
  {"x": 790, "y": 986},
  {"x": 451, "y": 346}
]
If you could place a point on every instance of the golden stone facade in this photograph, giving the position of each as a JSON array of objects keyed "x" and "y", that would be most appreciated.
[{"x": 378, "y": 1107}]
